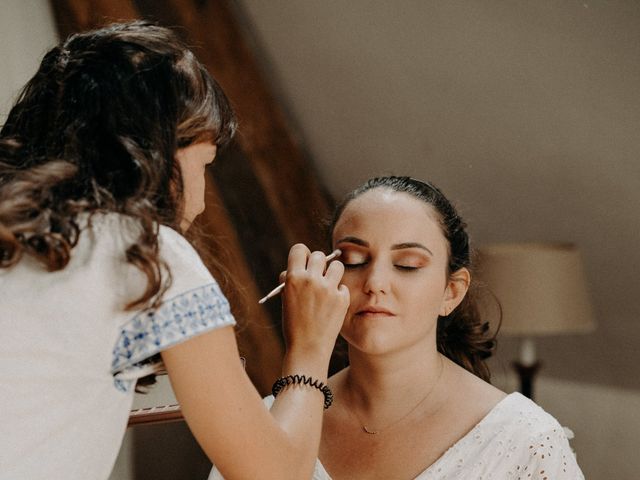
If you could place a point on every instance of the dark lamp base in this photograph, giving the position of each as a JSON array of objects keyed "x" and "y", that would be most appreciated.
[{"x": 527, "y": 374}]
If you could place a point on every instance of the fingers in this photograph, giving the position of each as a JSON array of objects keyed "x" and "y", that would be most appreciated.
[
  {"x": 298, "y": 258},
  {"x": 301, "y": 258},
  {"x": 334, "y": 273},
  {"x": 316, "y": 263},
  {"x": 313, "y": 291}
]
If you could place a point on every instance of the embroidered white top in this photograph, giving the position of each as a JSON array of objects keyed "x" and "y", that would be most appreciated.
[
  {"x": 70, "y": 352},
  {"x": 516, "y": 439}
]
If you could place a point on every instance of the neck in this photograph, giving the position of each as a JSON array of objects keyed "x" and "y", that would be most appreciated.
[{"x": 377, "y": 382}]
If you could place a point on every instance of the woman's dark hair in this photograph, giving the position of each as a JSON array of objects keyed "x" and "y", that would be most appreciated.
[
  {"x": 97, "y": 129},
  {"x": 462, "y": 336}
]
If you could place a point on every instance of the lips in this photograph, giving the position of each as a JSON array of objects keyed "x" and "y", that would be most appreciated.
[{"x": 375, "y": 311}]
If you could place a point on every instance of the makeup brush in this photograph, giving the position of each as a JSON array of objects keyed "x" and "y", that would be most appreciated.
[{"x": 335, "y": 254}]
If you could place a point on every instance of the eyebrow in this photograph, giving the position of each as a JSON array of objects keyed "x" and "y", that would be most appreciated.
[{"x": 397, "y": 246}]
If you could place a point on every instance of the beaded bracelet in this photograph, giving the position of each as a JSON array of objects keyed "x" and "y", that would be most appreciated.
[{"x": 303, "y": 380}]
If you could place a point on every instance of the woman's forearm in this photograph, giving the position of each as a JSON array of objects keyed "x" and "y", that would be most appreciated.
[{"x": 228, "y": 418}]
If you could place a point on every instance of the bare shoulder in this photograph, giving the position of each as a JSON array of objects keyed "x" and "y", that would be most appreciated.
[{"x": 464, "y": 386}]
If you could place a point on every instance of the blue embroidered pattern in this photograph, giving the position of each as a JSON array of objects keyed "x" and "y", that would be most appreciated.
[{"x": 176, "y": 320}]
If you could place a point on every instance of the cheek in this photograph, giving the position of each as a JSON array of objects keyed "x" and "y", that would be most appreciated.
[
  {"x": 195, "y": 183},
  {"x": 423, "y": 294},
  {"x": 432, "y": 296},
  {"x": 193, "y": 192},
  {"x": 353, "y": 283},
  {"x": 200, "y": 184}
]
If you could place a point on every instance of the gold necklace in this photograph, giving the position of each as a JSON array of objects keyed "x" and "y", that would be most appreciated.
[{"x": 372, "y": 431}]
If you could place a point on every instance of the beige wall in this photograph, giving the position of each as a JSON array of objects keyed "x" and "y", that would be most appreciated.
[{"x": 26, "y": 32}]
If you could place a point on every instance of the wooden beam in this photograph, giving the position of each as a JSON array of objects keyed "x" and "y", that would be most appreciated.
[
  {"x": 286, "y": 176},
  {"x": 79, "y": 15}
]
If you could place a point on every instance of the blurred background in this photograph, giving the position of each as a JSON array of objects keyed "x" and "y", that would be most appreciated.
[{"x": 526, "y": 114}]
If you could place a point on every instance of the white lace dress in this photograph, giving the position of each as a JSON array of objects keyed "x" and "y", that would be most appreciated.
[{"x": 516, "y": 440}]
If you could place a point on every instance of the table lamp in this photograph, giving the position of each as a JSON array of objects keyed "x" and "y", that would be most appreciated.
[{"x": 542, "y": 290}]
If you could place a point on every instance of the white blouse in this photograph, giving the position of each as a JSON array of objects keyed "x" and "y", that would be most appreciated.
[
  {"x": 516, "y": 440},
  {"x": 70, "y": 353}
]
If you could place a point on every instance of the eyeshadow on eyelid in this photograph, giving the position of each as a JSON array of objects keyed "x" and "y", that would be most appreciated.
[
  {"x": 351, "y": 257},
  {"x": 413, "y": 260}
]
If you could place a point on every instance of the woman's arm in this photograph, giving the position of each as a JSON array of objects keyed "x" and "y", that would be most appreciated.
[{"x": 223, "y": 409}]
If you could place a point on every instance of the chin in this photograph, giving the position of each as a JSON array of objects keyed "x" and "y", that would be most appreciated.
[{"x": 371, "y": 343}]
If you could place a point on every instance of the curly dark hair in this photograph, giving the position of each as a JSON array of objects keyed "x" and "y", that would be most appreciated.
[
  {"x": 96, "y": 130},
  {"x": 462, "y": 336}
]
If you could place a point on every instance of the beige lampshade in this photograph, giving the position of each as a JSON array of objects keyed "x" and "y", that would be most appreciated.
[{"x": 541, "y": 288}]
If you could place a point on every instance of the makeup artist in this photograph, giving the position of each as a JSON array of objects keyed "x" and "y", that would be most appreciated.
[{"x": 102, "y": 162}]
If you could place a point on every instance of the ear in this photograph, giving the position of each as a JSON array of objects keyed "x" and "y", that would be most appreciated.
[{"x": 457, "y": 288}]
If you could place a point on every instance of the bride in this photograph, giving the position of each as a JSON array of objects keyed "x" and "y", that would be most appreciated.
[{"x": 415, "y": 402}]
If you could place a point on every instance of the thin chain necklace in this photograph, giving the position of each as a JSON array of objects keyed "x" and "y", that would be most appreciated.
[{"x": 372, "y": 431}]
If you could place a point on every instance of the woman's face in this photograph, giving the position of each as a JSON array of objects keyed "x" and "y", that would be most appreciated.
[
  {"x": 193, "y": 161},
  {"x": 395, "y": 258}
]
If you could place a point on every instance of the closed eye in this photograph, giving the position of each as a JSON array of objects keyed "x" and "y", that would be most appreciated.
[
  {"x": 351, "y": 266},
  {"x": 406, "y": 268}
]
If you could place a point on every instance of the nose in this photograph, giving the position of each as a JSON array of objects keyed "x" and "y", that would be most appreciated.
[{"x": 377, "y": 279}]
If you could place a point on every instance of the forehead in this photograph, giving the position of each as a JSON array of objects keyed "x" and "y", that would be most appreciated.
[{"x": 382, "y": 216}]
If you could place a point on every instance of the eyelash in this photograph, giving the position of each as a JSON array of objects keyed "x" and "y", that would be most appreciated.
[
  {"x": 403, "y": 268},
  {"x": 350, "y": 266},
  {"x": 406, "y": 268}
]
